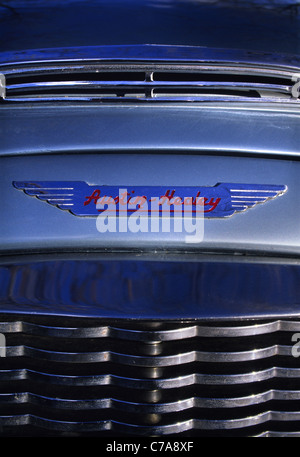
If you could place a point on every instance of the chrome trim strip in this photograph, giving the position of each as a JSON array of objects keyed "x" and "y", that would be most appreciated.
[
  {"x": 30, "y": 69},
  {"x": 146, "y": 84},
  {"x": 158, "y": 408},
  {"x": 29, "y": 419},
  {"x": 270, "y": 434},
  {"x": 150, "y": 384},
  {"x": 188, "y": 98},
  {"x": 126, "y": 359},
  {"x": 181, "y": 333}
]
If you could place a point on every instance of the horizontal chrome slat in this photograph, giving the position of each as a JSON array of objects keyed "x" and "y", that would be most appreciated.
[
  {"x": 150, "y": 384},
  {"x": 170, "y": 360},
  {"x": 171, "y": 98},
  {"x": 29, "y": 69},
  {"x": 178, "y": 427},
  {"x": 184, "y": 332},
  {"x": 146, "y": 408},
  {"x": 72, "y": 375},
  {"x": 270, "y": 434},
  {"x": 53, "y": 85}
]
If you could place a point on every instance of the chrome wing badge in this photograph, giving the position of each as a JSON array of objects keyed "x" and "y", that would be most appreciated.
[{"x": 81, "y": 199}]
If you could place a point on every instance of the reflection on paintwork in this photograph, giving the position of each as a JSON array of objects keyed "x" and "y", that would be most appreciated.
[{"x": 150, "y": 289}]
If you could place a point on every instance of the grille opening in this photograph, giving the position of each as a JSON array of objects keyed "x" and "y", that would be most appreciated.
[
  {"x": 137, "y": 395},
  {"x": 81, "y": 92},
  {"x": 150, "y": 82},
  {"x": 75, "y": 76},
  {"x": 206, "y": 91},
  {"x": 218, "y": 76}
]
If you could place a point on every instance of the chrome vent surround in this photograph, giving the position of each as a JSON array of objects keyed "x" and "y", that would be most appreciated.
[
  {"x": 146, "y": 82},
  {"x": 86, "y": 377}
]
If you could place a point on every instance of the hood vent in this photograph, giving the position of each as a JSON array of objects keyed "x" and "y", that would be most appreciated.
[{"x": 148, "y": 83}]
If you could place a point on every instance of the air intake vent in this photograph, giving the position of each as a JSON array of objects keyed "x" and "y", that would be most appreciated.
[
  {"x": 142, "y": 82},
  {"x": 78, "y": 376}
]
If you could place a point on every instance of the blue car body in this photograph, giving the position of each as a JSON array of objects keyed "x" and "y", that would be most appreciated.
[{"x": 149, "y": 332}]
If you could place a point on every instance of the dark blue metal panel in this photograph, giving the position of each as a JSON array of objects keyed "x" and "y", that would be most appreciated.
[
  {"x": 150, "y": 289},
  {"x": 30, "y": 224},
  {"x": 45, "y": 24},
  {"x": 196, "y": 128},
  {"x": 148, "y": 53}
]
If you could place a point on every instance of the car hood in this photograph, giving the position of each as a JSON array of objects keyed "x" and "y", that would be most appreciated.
[{"x": 76, "y": 23}]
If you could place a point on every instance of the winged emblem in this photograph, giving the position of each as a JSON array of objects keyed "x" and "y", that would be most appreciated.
[{"x": 82, "y": 199}]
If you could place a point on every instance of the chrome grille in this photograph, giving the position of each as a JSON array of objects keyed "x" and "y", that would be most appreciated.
[
  {"x": 66, "y": 376},
  {"x": 141, "y": 82}
]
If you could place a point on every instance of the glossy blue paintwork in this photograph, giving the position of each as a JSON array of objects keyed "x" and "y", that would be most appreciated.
[
  {"x": 194, "y": 129},
  {"x": 151, "y": 288},
  {"x": 148, "y": 52},
  {"x": 143, "y": 145},
  {"x": 44, "y": 24},
  {"x": 29, "y": 224}
]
